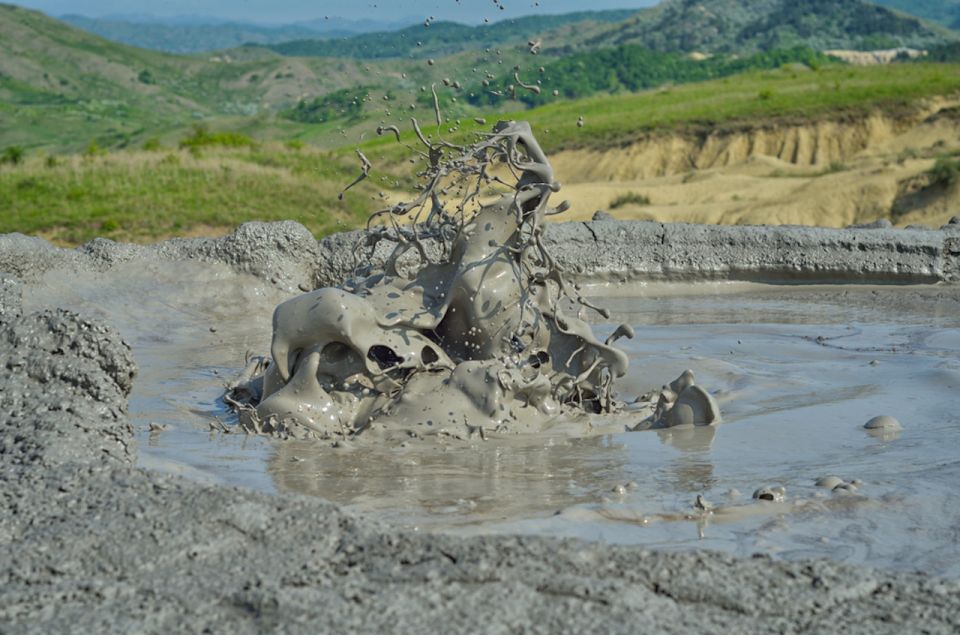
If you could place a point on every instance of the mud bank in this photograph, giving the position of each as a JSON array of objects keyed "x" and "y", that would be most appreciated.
[
  {"x": 611, "y": 251},
  {"x": 93, "y": 544}
]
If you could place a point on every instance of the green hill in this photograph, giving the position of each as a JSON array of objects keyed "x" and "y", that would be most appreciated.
[
  {"x": 946, "y": 12},
  {"x": 63, "y": 87},
  {"x": 146, "y": 195},
  {"x": 630, "y": 68},
  {"x": 739, "y": 26},
  {"x": 447, "y": 38}
]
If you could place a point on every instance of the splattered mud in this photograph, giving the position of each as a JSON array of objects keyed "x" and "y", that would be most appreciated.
[
  {"x": 797, "y": 371},
  {"x": 473, "y": 340}
]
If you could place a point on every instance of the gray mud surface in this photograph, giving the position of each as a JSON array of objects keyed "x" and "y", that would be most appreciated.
[{"x": 91, "y": 543}]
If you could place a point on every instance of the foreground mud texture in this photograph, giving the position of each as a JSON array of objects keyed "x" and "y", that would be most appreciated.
[{"x": 90, "y": 543}]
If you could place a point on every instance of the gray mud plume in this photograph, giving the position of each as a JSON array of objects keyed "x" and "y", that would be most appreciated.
[{"x": 473, "y": 339}]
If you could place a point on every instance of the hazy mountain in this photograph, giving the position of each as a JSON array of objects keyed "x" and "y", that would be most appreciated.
[
  {"x": 946, "y": 12},
  {"x": 327, "y": 24},
  {"x": 197, "y": 33},
  {"x": 743, "y": 26},
  {"x": 191, "y": 38},
  {"x": 446, "y": 38},
  {"x": 174, "y": 20}
]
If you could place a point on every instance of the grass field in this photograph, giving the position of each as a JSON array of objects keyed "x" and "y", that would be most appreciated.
[
  {"x": 144, "y": 196},
  {"x": 147, "y": 195}
]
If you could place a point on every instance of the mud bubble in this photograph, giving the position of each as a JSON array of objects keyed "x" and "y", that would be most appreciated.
[{"x": 470, "y": 328}]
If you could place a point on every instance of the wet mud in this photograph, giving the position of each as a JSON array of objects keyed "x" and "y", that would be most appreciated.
[
  {"x": 196, "y": 553},
  {"x": 474, "y": 342}
]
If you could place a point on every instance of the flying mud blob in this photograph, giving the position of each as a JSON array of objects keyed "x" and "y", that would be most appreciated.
[{"x": 464, "y": 330}]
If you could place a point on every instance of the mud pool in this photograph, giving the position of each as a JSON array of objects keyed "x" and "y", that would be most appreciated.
[{"x": 796, "y": 370}]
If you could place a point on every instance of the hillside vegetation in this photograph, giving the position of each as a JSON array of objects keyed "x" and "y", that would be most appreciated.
[
  {"x": 61, "y": 87},
  {"x": 99, "y": 138},
  {"x": 446, "y": 38},
  {"x": 212, "y": 181},
  {"x": 210, "y": 187},
  {"x": 733, "y": 26},
  {"x": 745, "y": 100},
  {"x": 946, "y": 12},
  {"x": 631, "y": 68}
]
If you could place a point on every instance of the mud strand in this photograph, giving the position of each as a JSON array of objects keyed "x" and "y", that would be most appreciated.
[{"x": 463, "y": 329}]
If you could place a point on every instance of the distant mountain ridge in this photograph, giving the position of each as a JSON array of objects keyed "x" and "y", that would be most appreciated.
[
  {"x": 189, "y": 38},
  {"x": 946, "y": 12},
  {"x": 739, "y": 26},
  {"x": 447, "y": 38},
  {"x": 197, "y": 34}
]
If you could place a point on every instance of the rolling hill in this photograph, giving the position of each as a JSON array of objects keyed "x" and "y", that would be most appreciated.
[
  {"x": 63, "y": 87},
  {"x": 190, "y": 34},
  {"x": 447, "y": 38},
  {"x": 946, "y": 12},
  {"x": 735, "y": 26},
  {"x": 191, "y": 38}
]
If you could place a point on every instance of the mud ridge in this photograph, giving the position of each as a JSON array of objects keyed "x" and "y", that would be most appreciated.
[{"x": 287, "y": 255}]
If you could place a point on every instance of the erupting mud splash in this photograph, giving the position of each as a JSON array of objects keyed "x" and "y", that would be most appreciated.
[{"x": 472, "y": 340}]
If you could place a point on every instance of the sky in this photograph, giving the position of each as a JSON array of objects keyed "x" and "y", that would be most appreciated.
[{"x": 284, "y": 11}]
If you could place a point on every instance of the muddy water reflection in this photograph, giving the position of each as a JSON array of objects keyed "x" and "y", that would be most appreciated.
[
  {"x": 456, "y": 483},
  {"x": 798, "y": 371}
]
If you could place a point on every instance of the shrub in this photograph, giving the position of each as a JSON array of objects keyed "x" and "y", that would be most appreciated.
[
  {"x": 294, "y": 144},
  {"x": 93, "y": 150},
  {"x": 836, "y": 166},
  {"x": 13, "y": 155},
  {"x": 907, "y": 153},
  {"x": 630, "y": 198},
  {"x": 765, "y": 95},
  {"x": 344, "y": 103},
  {"x": 152, "y": 144},
  {"x": 202, "y": 138},
  {"x": 946, "y": 171}
]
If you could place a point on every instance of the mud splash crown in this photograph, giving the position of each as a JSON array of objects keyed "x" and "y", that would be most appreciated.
[{"x": 462, "y": 331}]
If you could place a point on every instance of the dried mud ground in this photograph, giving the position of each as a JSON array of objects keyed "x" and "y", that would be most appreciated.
[{"x": 93, "y": 544}]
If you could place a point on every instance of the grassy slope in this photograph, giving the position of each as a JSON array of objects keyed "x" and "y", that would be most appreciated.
[
  {"x": 61, "y": 87},
  {"x": 146, "y": 196},
  {"x": 742, "y": 100},
  {"x": 946, "y": 12}
]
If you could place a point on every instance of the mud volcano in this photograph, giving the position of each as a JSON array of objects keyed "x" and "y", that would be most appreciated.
[
  {"x": 462, "y": 330},
  {"x": 119, "y": 514}
]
